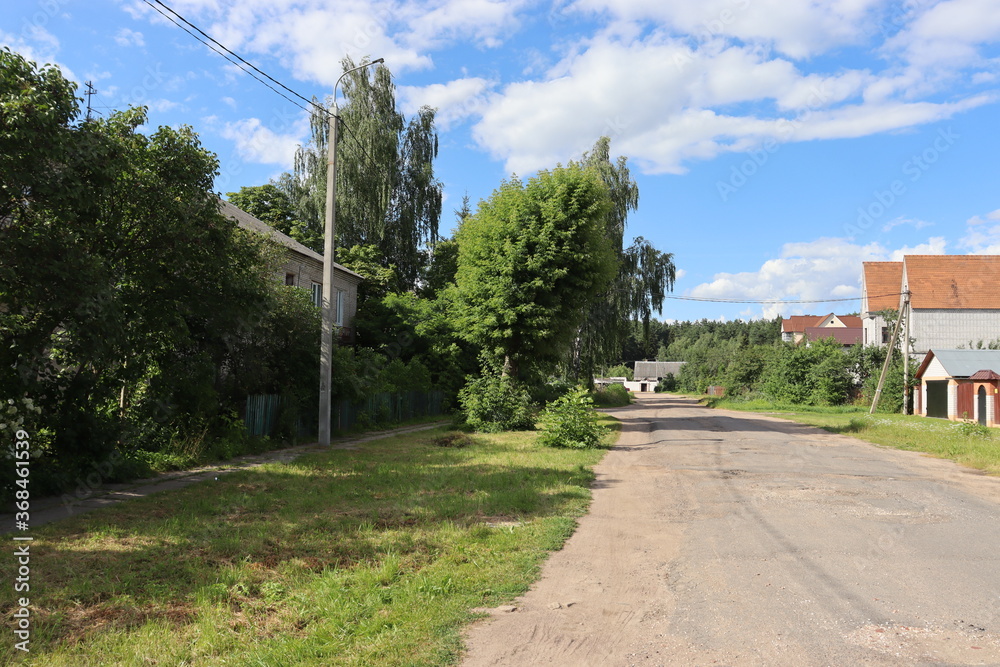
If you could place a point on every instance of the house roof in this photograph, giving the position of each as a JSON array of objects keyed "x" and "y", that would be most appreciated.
[
  {"x": 799, "y": 323},
  {"x": 882, "y": 284},
  {"x": 962, "y": 363},
  {"x": 843, "y": 335},
  {"x": 953, "y": 281},
  {"x": 247, "y": 221},
  {"x": 656, "y": 369},
  {"x": 985, "y": 375}
]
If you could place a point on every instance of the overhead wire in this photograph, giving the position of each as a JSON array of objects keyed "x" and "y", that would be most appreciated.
[
  {"x": 767, "y": 301},
  {"x": 243, "y": 64}
]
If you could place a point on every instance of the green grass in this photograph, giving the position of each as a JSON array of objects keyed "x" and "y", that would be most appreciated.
[
  {"x": 376, "y": 556},
  {"x": 965, "y": 443}
]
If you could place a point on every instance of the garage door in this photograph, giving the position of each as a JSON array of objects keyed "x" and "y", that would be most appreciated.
[{"x": 937, "y": 398}]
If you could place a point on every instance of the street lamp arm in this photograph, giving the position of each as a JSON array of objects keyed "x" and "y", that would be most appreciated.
[{"x": 353, "y": 69}]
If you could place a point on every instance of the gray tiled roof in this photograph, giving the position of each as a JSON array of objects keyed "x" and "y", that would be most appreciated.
[
  {"x": 656, "y": 369},
  {"x": 963, "y": 363},
  {"x": 247, "y": 221}
]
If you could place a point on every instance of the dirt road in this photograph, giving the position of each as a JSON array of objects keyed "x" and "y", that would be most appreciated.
[{"x": 724, "y": 538}]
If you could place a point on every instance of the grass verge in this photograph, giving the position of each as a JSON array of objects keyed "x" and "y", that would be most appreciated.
[
  {"x": 966, "y": 443},
  {"x": 375, "y": 556}
]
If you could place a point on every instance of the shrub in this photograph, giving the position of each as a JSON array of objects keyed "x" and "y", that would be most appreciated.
[
  {"x": 612, "y": 396},
  {"x": 668, "y": 383},
  {"x": 494, "y": 404},
  {"x": 971, "y": 429},
  {"x": 571, "y": 421}
]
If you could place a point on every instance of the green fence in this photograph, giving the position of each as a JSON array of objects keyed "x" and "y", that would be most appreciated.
[{"x": 262, "y": 411}]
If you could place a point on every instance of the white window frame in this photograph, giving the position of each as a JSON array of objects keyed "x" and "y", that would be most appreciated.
[
  {"x": 339, "y": 321},
  {"x": 317, "y": 294}
]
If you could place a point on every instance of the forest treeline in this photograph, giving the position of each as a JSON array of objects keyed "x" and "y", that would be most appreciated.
[{"x": 750, "y": 360}]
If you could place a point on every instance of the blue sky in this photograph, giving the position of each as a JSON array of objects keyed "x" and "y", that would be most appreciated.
[{"x": 777, "y": 143}]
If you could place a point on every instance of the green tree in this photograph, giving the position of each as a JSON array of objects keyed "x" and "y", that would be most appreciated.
[
  {"x": 268, "y": 204},
  {"x": 123, "y": 290},
  {"x": 530, "y": 261},
  {"x": 643, "y": 277},
  {"x": 387, "y": 194}
]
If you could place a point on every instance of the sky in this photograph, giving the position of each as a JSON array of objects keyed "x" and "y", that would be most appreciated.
[{"x": 777, "y": 144}]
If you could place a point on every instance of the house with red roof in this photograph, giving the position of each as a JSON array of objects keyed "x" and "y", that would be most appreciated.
[
  {"x": 954, "y": 300},
  {"x": 845, "y": 328}
]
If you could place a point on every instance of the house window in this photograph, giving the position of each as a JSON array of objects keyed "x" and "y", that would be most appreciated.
[
  {"x": 317, "y": 295},
  {"x": 340, "y": 308},
  {"x": 885, "y": 335},
  {"x": 290, "y": 279}
]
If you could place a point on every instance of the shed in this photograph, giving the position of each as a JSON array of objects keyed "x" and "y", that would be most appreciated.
[{"x": 959, "y": 384}]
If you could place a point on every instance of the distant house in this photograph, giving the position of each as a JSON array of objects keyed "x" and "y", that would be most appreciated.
[
  {"x": 647, "y": 374},
  {"x": 959, "y": 384},
  {"x": 845, "y": 328},
  {"x": 954, "y": 300},
  {"x": 303, "y": 267}
]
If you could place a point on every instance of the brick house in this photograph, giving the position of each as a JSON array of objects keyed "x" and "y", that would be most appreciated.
[
  {"x": 959, "y": 384},
  {"x": 303, "y": 267},
  {"x": 845, "y": 328},
  {"x": 954, "y": 300}
]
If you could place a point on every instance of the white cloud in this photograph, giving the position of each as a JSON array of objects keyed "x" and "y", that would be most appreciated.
[
  {"x": 982, "y": 234},
  {"x": 827, "y": 268},
  {"x": 689, "y": 105},
  {"x": 258, "y": 143},
  {"x": 794, "y": 27},
  {"x": 903, "y": 221},
  {"x": 127, "y": 37},
  {"x": 455, "y": 100}
]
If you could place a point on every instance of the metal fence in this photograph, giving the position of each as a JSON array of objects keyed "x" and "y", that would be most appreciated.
[{"x": 262, "y": 411}]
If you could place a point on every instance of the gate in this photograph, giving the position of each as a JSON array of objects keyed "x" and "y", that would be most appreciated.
[{"x": 937, "y": 398}]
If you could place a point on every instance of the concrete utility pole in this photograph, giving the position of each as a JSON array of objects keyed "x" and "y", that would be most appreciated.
[
  {"x": 326, "y": 338},
  {"x": 906, "y": 353},
  {"x": 904, "y": 302}
]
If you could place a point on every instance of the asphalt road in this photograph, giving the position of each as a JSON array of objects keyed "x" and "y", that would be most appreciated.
[{"x": 725, "y": 538}]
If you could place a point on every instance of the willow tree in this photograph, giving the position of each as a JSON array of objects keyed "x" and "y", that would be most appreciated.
[
  {"x": 387, "y": 194},
  {"x": 644, "y": 275}
]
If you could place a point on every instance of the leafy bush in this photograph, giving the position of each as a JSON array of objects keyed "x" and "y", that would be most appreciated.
[
  {"x": 971, "y": 429},
  {"x": 668, "y": 383},
  {"x": 493, "y": 404},
  {"x": 571, "y": 421},
  {"x": 612, "y": 396}
]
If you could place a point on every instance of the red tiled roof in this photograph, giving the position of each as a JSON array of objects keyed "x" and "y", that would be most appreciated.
[
  {"x": 953, "y": 281},
  {"x": 799, "y": 323},
  {"x": 851, "y": 321},
  {"x": 883, "y": 282},
  {"x": 844, "y": 335},
  {"x": 985, "y": 375}
]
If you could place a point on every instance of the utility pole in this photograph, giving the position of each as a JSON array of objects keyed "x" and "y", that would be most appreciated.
[
  {"x": 90, "y": 91},
  {"x": 888, "y": 354},
  {"x": 326, "y": 338},
  {"x": 905, "y": 311}
]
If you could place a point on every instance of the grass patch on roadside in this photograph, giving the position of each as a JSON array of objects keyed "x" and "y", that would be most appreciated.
[
  {"x": 966, "y": 443},
  {"x": 374, "y": 556}
]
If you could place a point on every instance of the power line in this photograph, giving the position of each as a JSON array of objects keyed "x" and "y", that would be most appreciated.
[
  {"x": 240, "y": 61},
  {"x": 226, "y": 53},
  {"x": 768, "y": 301}
]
